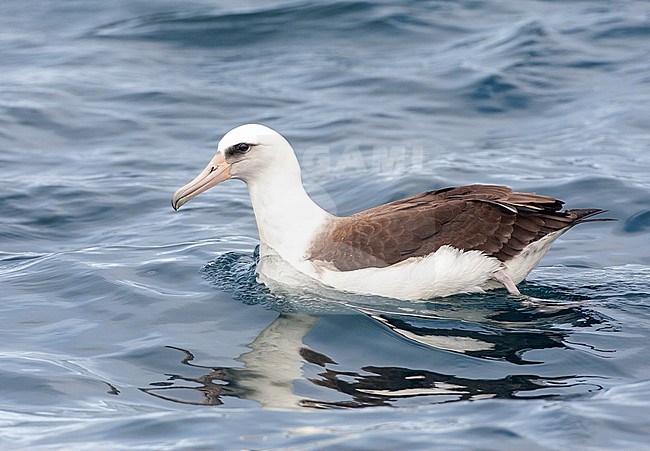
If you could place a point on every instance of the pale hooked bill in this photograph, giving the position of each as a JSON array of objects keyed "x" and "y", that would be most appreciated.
[{"x": 464, "y": 239}]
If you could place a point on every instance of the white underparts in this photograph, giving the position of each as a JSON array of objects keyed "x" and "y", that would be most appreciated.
[
  {"x": 446, "y": 272},
  {"x": 518, "y": 268}
]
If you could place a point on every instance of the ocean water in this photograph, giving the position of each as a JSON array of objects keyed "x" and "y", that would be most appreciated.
[{"x": 124, "y": 324}]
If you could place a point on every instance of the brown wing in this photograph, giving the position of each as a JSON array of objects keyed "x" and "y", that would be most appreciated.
[{"x": 489, "y": 218}]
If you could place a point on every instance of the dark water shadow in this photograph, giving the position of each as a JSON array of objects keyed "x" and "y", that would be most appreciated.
[{"x": 493, "y": 329}]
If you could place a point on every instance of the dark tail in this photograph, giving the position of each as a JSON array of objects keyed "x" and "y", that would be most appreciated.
[{"x": 585, "y": 215}]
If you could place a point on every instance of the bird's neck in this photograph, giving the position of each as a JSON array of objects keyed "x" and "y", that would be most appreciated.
[{"x": 287, "y": 218}]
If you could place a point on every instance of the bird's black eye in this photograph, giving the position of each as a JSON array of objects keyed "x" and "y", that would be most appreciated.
[{"x": 242, "y": 147}]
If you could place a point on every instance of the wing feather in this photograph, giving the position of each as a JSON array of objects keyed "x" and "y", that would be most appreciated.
[{"x": 488, "y": 218}]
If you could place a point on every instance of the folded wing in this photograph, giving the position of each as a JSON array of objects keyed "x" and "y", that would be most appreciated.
[{"x": 488, "y": 218}]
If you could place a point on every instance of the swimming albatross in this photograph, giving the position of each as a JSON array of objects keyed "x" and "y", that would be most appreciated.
[{"x": 438, "y": 243}]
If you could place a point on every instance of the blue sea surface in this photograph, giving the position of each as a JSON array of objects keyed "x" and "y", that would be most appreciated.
[{"x": 124, "y": 324}]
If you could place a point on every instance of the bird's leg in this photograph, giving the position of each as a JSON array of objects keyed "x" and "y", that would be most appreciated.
[{"x": 507, "y": 282}]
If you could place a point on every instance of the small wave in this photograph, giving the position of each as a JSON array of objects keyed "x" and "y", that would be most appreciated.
[
  {"x": 638, "y": 222},
  {"x": 497, "y": 94},
  {"x": 625, "y": 32},
  {"x": 209, "y": 27}
]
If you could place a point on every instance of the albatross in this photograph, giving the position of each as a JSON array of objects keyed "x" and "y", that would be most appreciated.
[{"x": 464, "y": 239}]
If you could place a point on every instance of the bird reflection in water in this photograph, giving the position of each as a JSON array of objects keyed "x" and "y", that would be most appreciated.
[{"x": 278, "y": 359}]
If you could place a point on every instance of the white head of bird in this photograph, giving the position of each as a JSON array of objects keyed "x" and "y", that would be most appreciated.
[
  {"x": 285, "y": 214},
  {"x": 252, "y": 153}
]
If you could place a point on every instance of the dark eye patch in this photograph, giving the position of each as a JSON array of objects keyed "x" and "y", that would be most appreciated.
[{"x": 238, "y": 149}]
